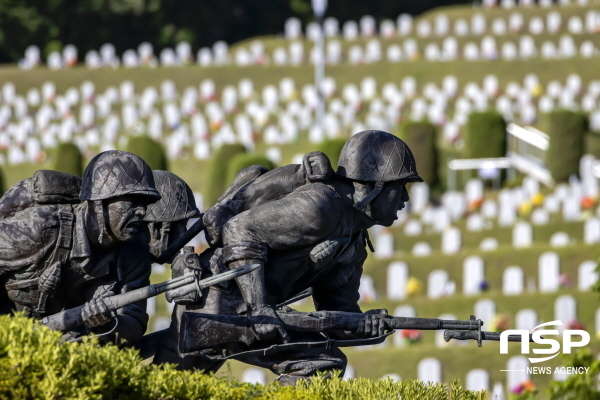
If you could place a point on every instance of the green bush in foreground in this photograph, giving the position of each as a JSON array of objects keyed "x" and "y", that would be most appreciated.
[{"x": 34, "y": 363}]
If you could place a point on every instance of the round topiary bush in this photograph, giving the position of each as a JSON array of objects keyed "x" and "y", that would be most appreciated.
[
  {"x": 67, "y": 158},
  {"x": 332, "y": 149},
  {"x": 244, "y": 160},
  {"x": 421, "y": 139},
  {"x": 217, "y": 170},
  {"x": 149, "y": 150},
  {"x": 485, "y": 135},
  {"x": 567, "y": 131}
]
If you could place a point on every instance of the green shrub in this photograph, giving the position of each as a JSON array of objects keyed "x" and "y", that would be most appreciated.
[
  {"x": 592, "y": 144},
  {"x": 216, "y": 172},
  {"x": 421, "y": 139},
  {"x": 567, "y": 130},
  {"x": 67, "y": 158},
  {"x": 151, "y": 151},
  {"x": 578, "y": 386},
  {"x": 36, "y": 364},
  {"x": 485, "y": 135},
  {"x": 332, "y": 149},
  {"x": 244, "y": 160}
]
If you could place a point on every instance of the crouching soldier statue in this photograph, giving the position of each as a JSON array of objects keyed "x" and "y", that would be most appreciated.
[
  {"x": 66, "y": 242},
  {"x": 306, "y": 226}
]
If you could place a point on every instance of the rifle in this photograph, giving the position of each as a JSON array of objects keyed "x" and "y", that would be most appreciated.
[
  {"x": 71, "y": 318},
  {"x": 181, "y": 241},
  {"x": 202, "y": 331}
]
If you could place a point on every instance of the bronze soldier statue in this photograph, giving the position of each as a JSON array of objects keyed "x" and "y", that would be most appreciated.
[
  {"x": 65, "y": 242},
  {"x": 306, "y": 226},
  {"x": 168, "y": 217}
]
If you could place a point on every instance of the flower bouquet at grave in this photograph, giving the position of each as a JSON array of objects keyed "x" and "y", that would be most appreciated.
[
  {"x": 575, "y": 324},
  {"x": 414, "y": 287},
  {"x": 537, "y": 200},
  {"x": 411, "y": 336},
  {"x": 500, "y": 323},
  {"x": 484, "y": 285},
  {"x": 588, "y": 202},
  {"x": 475, "y": 205},
  {"x": 525, "y": 209},
  {"x": 564, "y": 281},
  {"x": 524, "y": 390}
]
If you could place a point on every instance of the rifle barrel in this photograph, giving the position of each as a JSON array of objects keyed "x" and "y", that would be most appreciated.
[{"x": 430, "y": 323}]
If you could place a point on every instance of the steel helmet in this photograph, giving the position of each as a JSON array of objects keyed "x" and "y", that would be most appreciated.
[
  {"x": 177, "y": 202},
  {"x": 377, "y": 156},
  {"x": 116, "y": 173}
]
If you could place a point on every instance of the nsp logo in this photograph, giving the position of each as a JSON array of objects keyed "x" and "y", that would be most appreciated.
[{"x": 539, "y": 336}]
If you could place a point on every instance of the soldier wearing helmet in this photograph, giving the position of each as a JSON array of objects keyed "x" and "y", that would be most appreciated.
[
  {"x": 168, "y": 217},
  {"x": 306, "y": 226},
  {"x": 61, "y": 247}
]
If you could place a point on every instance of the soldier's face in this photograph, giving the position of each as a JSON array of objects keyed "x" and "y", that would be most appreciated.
[
  {"x": 385, "y": 207},
  {"x": 126, "y": 217}
]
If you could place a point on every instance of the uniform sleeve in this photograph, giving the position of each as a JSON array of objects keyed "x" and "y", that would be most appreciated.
[
  {"x": 26, "y": 238},
  {"x": 134, "y": 266},
  {"x": 338, "y": 291},
  {"x": 302, "y": 218}
]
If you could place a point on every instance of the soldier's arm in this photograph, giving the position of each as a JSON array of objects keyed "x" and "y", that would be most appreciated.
[{"x": 134, "y": 266}]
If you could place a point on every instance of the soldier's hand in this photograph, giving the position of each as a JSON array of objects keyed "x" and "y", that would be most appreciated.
[
  {"x": 95, "y": 313},
  {"x": 267, "y": 324},
  {"x": 372, "y": 324}
]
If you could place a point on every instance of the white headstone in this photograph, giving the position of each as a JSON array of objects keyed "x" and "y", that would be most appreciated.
[
  {"x": 478, "y": 379},
  {"x": 522, "y": 235},
  {"x": 451, "y": 240},
  {"x": 419, "y": 196},
  {"x": 475, "y": 223},
  {"x": 559, "y": 239},
  {"x": 366, "y": 289},
  {"x": 485, "y": 310},
  {"x": 473, "y": 275},
  {"x": 548, "y": 272},
  {"x": 430, "y": 370},
  {"x": 517, "y": 372},
  {"x": 436, "y": 284},
  {"x": 526, "y": 319},
  {"x": 587, "y": 276},
  {"x": 488, "y": 244},
  {"x": 421, "y": 249},
  {"x": 384, "y": 244},
  {"x": 254, "y": 375},
  {"x": 512, "y": 281},
  {"x": 565, "y": 309},
  {"x": 397, "y": 277}
]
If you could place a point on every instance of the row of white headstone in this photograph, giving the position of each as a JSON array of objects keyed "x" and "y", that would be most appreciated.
[
  {"x": 473, "y": 279},
  {"x": 442, "y": 25}
]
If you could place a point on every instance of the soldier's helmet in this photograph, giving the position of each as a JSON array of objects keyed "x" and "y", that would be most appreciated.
[
  {"x": 177, "y": 200},
  {"x": 116, "y": 173},
  {"x": 377, "y": 156}
]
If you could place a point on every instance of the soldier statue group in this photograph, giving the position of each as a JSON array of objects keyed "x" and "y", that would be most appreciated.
[{"x": 70, "y": 248}]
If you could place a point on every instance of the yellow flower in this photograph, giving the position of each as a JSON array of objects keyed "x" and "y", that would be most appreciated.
[
  {"x": 537, "y": 199},
  {"x": 414, "y": 287}
]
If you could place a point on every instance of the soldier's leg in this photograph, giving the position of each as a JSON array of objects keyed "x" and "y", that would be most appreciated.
[{"x": 295, "y": 365}]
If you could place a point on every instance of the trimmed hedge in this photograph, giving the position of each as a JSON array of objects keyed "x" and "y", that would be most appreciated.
[
  {"x": 67, "y": 158},
  {"x": 332, "y": 149},
  {"x": 149, "y": 150},
  {"x": 485, "y": 135},
  {"x": 244, "y": 160},
  {"x": 217, "y": 170},
  {"x": 567, "y": 131},
  {"x": 421, "y": 138},
  {"x": 35, "y": 363}
]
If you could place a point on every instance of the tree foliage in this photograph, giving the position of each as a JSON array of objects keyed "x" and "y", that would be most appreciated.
[
  {"x": 244, "y": 160},
  {"x": 149, "y": 150},
  {"x": 567, "y": 131},
  {"x": 127, "y": 23}
]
